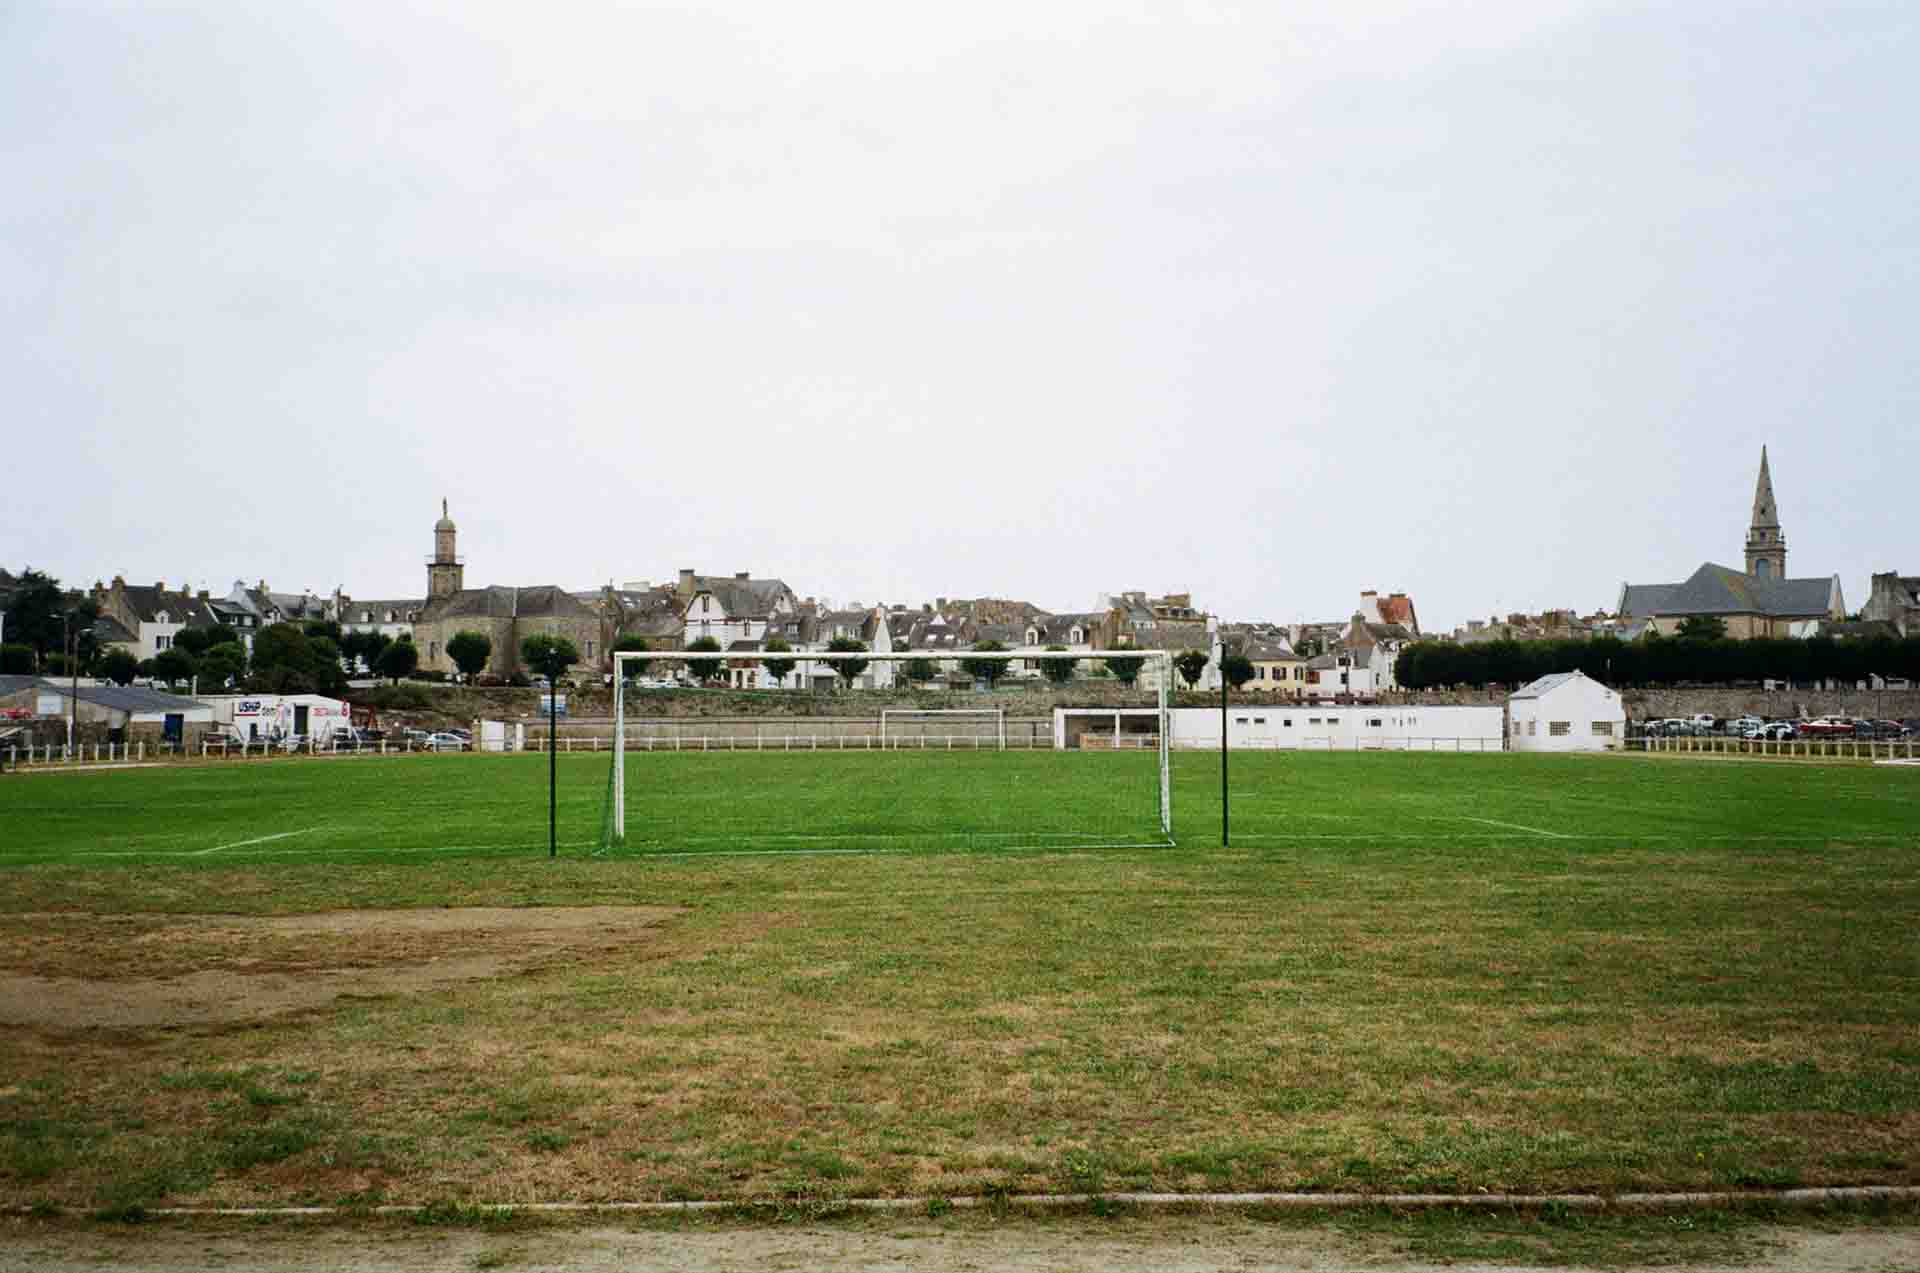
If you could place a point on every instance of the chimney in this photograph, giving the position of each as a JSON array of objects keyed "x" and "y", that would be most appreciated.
[
  {"x": 686, "y": 581},
  {"x": 741, "y": 575},
  {"x": 205, "y": 595},
  {"x": 160, "y": 585}
]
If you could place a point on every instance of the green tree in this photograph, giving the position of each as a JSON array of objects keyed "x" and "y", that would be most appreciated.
[
  {"x": 16, "y": 659},
  {"x": 919, "y": 671},
  {"x": 988, "y": 670},
  {"x": 848, "y": 669},
  {"x": 704, "y": 669},
  {"x": 173, "y": 665},
  {"x": 283, "y": 660},
  {"x": 1237, "y": 668},
  {"x": 396, "y": 662},
  {"x": 470, "y": 651},
  {"x": 118, "y": 666},
  {"x": 778, "y": 669},
  {"x": 1124, "y": 667},
  {"x": 630, "y": 645},
  {"x": 365, "y": 647},
  {"x": 1059, "y": 671},
  {"x": 194, "y": 640},
  {"x": 35, "y": 614},
  {"x": 1702, "y": 627},
  {"x": 1310, "y": 647},
  {"x": 322, "y": 628},
  {"x": 329, "y": 674},
  {"x": 548, "y": 655},
  {"x": 223, "y": 665},
  {"x": 1190, "y": 664}
]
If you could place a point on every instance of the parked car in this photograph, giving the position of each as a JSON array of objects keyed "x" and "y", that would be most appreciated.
[
  {"x": 1741, "y": 724},
  {"x": 447, "y": 741},
  {"x": 1773, "y": 731},
  {"x": 1826, "y": 727}
]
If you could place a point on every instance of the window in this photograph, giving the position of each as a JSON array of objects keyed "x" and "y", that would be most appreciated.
[
  {"x": 1533, "y": 727},
  {"x": 433, "y": 650},
  {"x": 1559, "y": 728},
  {"x": 1375, "y": 722},
  {"x": 1516, "y": 729},
  {"x": 1288, "y": 722},
  {"x": 1313, "y": 720},
  {"x": 1239, "y": 720},
  {"x": 1603, "y": 729},
  {"x": 162, "y": 642},
  {"x": 1259, "y": 720},
  {"x": 589, "y": 649}
]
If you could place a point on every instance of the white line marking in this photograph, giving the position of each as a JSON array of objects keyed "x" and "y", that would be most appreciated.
[
  {"x": 260, "y": 840},
  {"x": 1515, "y": 826}
]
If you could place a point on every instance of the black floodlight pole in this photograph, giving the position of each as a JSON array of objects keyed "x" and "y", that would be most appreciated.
[
  {"x": 1223, "y": 748},
  {"x": 553, "y": 767}
]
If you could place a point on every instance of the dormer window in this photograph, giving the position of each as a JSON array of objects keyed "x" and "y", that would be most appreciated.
[{"x": 162, "y": 618}]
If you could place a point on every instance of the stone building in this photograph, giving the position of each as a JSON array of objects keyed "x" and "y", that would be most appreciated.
[
  {"x": 504, "y": 615},
  {"x": 1760, "y": 601},
  {"x": 1895, "y": 599}
]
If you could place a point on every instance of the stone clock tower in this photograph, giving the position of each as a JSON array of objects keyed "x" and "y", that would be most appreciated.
[{"x": 445, "y": 574}]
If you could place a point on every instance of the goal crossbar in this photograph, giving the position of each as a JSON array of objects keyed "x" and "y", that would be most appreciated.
[{"x": 1159, "y": 660}]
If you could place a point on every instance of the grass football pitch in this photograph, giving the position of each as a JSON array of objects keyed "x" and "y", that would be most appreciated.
[{"x": 1409, "y": 972}]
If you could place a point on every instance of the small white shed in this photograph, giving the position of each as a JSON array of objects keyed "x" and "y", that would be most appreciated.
[{"x": 1567, "y": 711}]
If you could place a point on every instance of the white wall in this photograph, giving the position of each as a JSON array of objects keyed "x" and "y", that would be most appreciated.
[
  {"x": 271, "y": 715},
  {"x": 1288, "y": 728}
]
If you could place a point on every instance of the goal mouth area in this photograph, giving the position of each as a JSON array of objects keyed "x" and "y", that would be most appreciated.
[{"x": 975, "y": 789}]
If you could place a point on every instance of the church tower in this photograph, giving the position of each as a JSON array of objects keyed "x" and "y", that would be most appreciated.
[
  {"x": 1766, "y": 546},
  {"x": 445, "y": 574}
]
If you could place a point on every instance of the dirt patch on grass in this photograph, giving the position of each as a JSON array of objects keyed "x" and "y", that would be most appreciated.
[{"x": 135, "y": 972}]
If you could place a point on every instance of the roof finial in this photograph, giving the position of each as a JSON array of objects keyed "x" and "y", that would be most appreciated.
[{"x": 443, "y": 506}]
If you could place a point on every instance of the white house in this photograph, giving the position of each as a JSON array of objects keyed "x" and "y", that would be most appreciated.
[{"x": 1567, "y": 711}]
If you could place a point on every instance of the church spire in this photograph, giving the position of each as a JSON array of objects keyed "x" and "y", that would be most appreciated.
[
  {"x": 1766, "y": 546},
  {"x": 1764, "y": 512}
]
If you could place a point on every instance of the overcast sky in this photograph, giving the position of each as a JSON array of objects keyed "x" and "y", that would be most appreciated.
[{"x": 1493, "y": 303}]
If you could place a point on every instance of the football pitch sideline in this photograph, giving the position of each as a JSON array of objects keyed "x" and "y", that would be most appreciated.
[
  {"x": 363, "y": 981},
  {"x": 364, "y": 809}
]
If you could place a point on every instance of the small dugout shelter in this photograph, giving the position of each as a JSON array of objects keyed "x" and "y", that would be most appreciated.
[{"x": 1566, "y": 711}]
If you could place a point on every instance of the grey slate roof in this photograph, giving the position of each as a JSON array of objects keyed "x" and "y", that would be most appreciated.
[
  {"x": 404, "y": 610},
  {"x": 1543, "y": 686},
  {"x": 742, "y": 598},
  {"x": 146, "y": 602},
  {"x": 1715, "y": 589},
  {"x": 108, "y": 630},
  {"x": 125, "y": 698},
  {"x": 496, "y": 602}
]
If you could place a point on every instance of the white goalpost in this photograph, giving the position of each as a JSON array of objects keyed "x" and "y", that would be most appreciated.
[
  {"x": 897, "y": 716},
  {"x": 980, "y": 793}
]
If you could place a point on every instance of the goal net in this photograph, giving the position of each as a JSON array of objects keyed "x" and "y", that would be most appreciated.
[{"x": 907, "y": 769}]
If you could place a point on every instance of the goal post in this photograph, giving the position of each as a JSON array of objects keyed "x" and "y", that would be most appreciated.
[
  {"x": 891, "y": 718},
  {"x": 1001, "y": 797}
]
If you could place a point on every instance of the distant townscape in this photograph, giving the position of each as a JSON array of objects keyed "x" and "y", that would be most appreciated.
[{"x": 154, "y": 632}]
